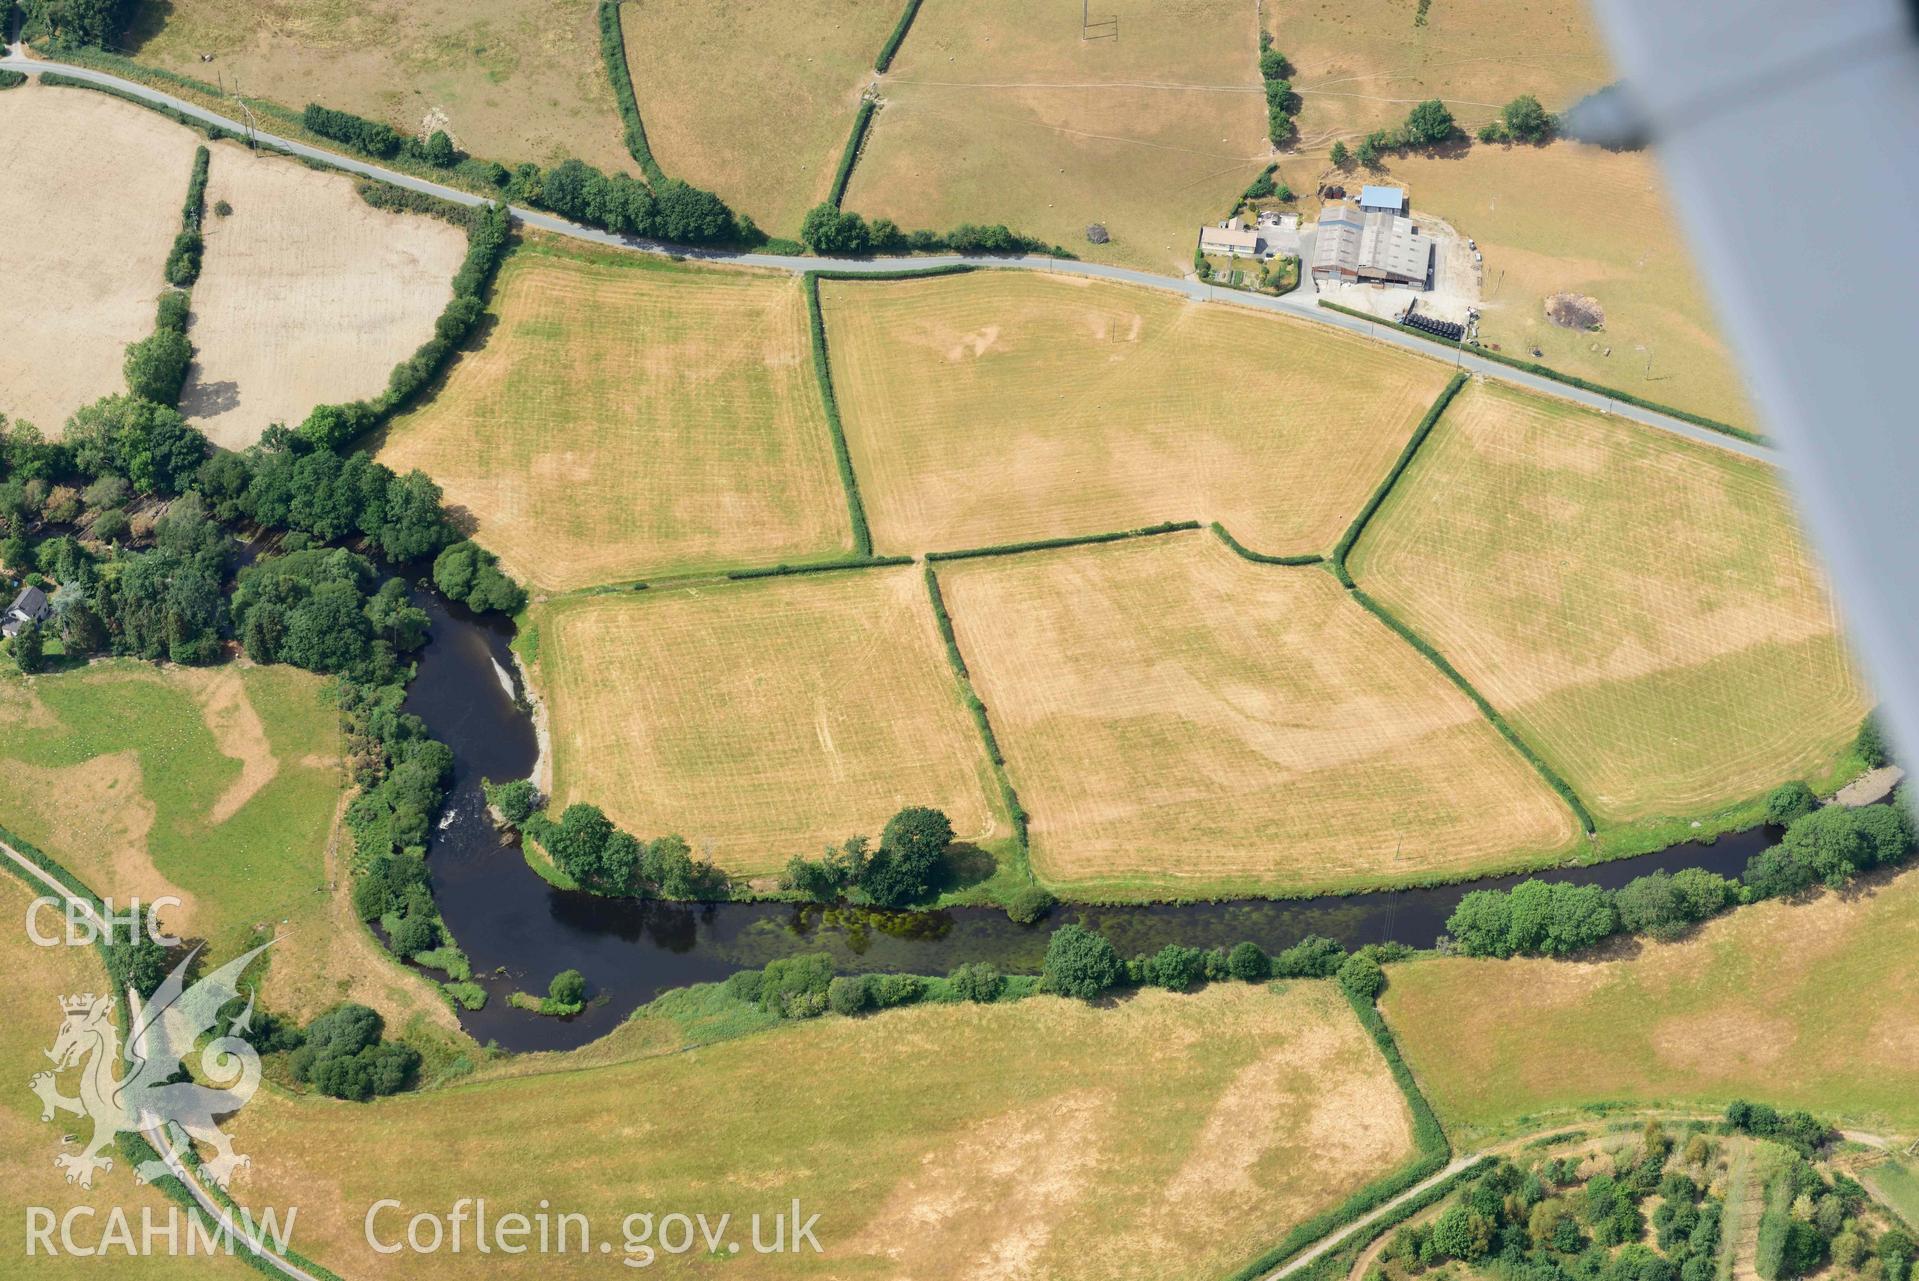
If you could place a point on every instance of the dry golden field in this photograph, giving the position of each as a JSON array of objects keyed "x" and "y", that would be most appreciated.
[
  {"x": 1180, "y": 721},
  {"x": 308, "y": 295},
  {"x": 37, "y": 977},
  {"x": 1360, "y": 65},
  {"x": 754, "y": 99},
  {"x": 509, "y": 80},
  {"x": 933, "y": 1142},
  {"x": 761, "y": 719},
  {"x": 1570, "y": 218},
  {"x": 1641, "y": 608},
  {"x": 1000, "y": 406},
  {"x": 1812, "y": 1005},
  {"x": 91, "y": 204},
  {"x": 623, "y": 417},
  {"x": 998, "y": 111}
]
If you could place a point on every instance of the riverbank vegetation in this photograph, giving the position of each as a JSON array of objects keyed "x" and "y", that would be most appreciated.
[{"x": 1801, "y": 1003}]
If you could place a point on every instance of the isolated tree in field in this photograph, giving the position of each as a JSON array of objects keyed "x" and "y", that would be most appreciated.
[
  {"x": 1080, "y": 963},
  {"x": 1340, "y": 156},
  {"x": 156, "y": 366},
  {"x": 1429, "y": 124},
  {"x": 1526, "y": 120}
]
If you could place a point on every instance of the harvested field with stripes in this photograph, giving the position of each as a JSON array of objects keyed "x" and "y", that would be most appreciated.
[
  {"x": 623, "y": 417},
  {"x": 1642, "y": 609},
  {"x": 1004, "y": 111},
  {"x": 91, "y": 204},
  {"x": 761, "y": 719},
  {"x": 308, "y": 295},
  {"x": 1180, "y": 721},
  {"x": 754, "y": 99},
  {"x": 1000, "y": 407}
]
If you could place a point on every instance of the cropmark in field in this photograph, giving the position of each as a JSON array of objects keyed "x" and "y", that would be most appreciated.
[
  {"x": 761, "y": 719},
  {"x": 622, "y": 417},
  {"x": 508, "y": 80},
  {"x": 1150, "y": 123},
  {"x": 969, "y": 1141},
  {"x": 91, "y": 204},
  {"x": 1178, "y": 720},
  {"x": 754, "y": 99},
  {"x": 308, "y": 295},
  {"x": 1642, "y": 609},
  {"x": 1000, "y": 407}
]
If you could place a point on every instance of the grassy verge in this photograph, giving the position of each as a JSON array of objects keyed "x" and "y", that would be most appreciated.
[{"x": 1570, "y": 380}]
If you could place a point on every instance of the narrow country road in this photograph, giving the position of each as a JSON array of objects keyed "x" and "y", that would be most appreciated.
[
  {"x": 188, "y": 1179},
  {"x": 1301, "y": 302}
]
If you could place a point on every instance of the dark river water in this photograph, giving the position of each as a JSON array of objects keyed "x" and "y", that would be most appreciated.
[{"x": 519, "y": 931}]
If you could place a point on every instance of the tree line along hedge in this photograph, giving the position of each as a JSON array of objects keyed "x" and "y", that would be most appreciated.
[
  {"x": 1425, "y": 428},
  {"x": 1260, "y": 558},
  {"x": 1076, "y": 540},
  {"x": 842, "y": 455},
  {"x": 183, "y": 260},
  {"x": 894, "y": 40},
  {"x": 1559, "y": 376},
  {"x": 613, "y": 53}
]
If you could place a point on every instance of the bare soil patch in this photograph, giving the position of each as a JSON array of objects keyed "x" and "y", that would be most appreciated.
[
  {"x": 308, "y": 296},
  {"x": 1575, "y": 311},
  {"x": 91, "y": 204},
  {"x": 1176, "y": 719}
]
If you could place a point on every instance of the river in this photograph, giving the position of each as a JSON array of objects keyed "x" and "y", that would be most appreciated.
[{"x": 519, "y": 931}]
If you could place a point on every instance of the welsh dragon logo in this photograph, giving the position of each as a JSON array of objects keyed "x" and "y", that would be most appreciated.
[{"x": 151, "y": 1095}]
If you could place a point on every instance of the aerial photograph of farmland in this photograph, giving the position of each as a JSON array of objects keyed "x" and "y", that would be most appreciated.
[{"x": 904, "y": 640}]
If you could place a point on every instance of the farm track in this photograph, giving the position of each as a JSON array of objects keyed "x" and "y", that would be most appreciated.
[{"x": 1298, "y": 303}]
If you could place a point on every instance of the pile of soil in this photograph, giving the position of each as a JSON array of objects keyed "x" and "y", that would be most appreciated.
[{"x": 1575, "y": 311}]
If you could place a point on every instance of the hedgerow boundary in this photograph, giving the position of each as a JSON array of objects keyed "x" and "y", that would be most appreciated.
[
  {"x": 893, "y": 42},
  {"x": 133, "y": 1144},
  {"x": 1506, "y": 731},
  {"x": 1425, "y": 428},
  {"x": 821, "y": 567},
  {"x": 1260, "y": 558},
  {"x": 823, "y": 374},
  {"x": 1079, "y": 540},
  {"x": 977, "y": 708},
  {"x": 613, "y": 52},
  {"x": 1435, "y": 1150},
  {"x": 1570, "y": 380},
  {"x": 850, "y": 156}
]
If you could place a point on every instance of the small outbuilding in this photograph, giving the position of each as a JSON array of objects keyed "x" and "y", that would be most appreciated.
[
  {"x": 30, "y": 606},
  {"x": 1229, "y": 240}
]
